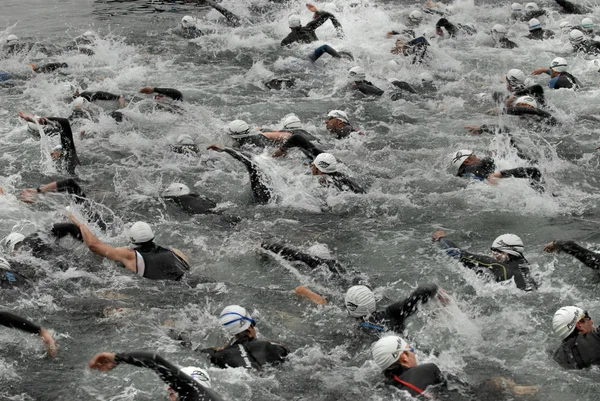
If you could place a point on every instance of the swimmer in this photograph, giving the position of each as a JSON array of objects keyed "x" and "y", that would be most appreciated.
[
  {"x": 338, "y": 123},
  {"x": 357, "y": 78},
  {"x": 582, "y": 45},
  {"x": 181, "y": 195},
  {"x": 306, "y": 33},
  {"x": 536, "y": 32},
  {"x": 515, "y": 84},
  {"x": 589, "y": 258},
  {"x": 506, "y": 263},
  {"x": 580, "y": 347},
  {"x": 185, "y": 145},
  {"x": 499, "y": 35},
  {"x": 559, "y": 77},
  {"x": 325, "y": 166},
  {"x": 19, "y": 323}
]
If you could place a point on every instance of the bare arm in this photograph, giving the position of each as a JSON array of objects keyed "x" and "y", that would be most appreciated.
[{"x": 125, "y": 256}]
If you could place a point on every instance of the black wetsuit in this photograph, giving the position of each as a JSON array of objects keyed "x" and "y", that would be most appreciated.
[
  {"x": 19, "y": 323},
  {"x": 535, "y": 113},
  {"x": 414, "y": 380},
  {"x": 68, "y": 157},
  {"x": 564, "y": 81},
  {"x": 190, "y": 33},
  {"x": 589, "y": 258},
  {"x": 185, "y": 149},
  {"x": 99, "y": 95},
  {"x": 507, "y": 44},
  {"x": 193, "y": 203},
  {"x": 342, "y": 182},
  {"x": 344, "y": 131},
  {"x": 533, "y": 14},
  {"x": 260, "y": 191},
  {"x": 366, "y": 88},
  {"x": 579, "y": 351},
  {"x": 535, "y": 91},
  {"x": 394, "y": 316},
  {"x": 160, "y": 263},
  {"x": 50, "y": 67},
  {"x": 281, "y": 83},
  {"x": 258, "y": 140},
  {"x": 248, "y": 353},
  {"x": 571, "y": 8},
  {"x": 588, "y": 47},
  {"x": 417, "y": 48},
  {"x": 187, "y": 388},
  {"x": 306, "y": 34},
  {"x": 170, "y": 93},
  {"x": 298, "y": 140},
  {"x": 540, "y": 34},
  {"x": 39, "y": 247},
  {"x": 488, "y": 267},
  {"x": 11, "y": 279},
  {"x": 232, "y": 19},
  {"x": 452, "y": 29}
]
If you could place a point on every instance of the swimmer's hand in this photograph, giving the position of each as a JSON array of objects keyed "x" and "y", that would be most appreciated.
[
  {"x": 312, "y": 8},
  {"x": 474, "y": 129},
  {"x": 49, "y": 342},
  {"x": 103, "y": 361},
  {"x": 539, "y": 71},
  {"x": 148, "y": 90},
  {"x": 493, "y": 178},
  {"x": 31, "y": 118},
  {"x": 437, "y": 235},
  {"x": 443, "y": 297},
  {"x": 551, "y": 247},
  {"x": 28, "y": 195},
  {"x": 278, "y": 152},
  {"x": 216, "y": 148}
]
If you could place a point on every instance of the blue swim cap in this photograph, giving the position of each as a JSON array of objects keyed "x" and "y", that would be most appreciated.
[{"x": 4, "y": 76}]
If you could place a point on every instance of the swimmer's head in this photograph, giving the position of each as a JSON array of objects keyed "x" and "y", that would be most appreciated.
[
  {"x": 236, "y": 320},
  {"x": 140, "y": 233},
  {"x": 238, "y": 129},
  {"x": 534, "y": 24},
  {"x": 356, "y": 74},
  {"x": 499, "y": 32},
  {"x": 294, "y": 21},
  {"x": 576, "y": 37},
  {"x": 291, "y": 121},
  {"x": 89, "y": 35},
  {"x": 558, "y": 65},
  {"x": 185, "y": 139},
  {"x": 360, "y": 301},
  {"x": 526, "y": 101},
  {"x": 12, "y": 40},
  {"x": 515, "y": 79},
  {"x": 571, "y": 319},
  {"x": 507, "y": 244},
  {"x": 587, "y": 24},
  {"x": 516, "y": 8},
  {"x": 56, "y": 152},
  {"x": 188, "y": 22},
  {"x": 415, "y": 17},
  {"x": 12, "y": 241},
  {"x": 461, "y": 157},
  {"x": 392, "y": 351},
  {"x": 336, "y": 119},
  {"x": 529, "y": 7},
  {"x": 176, "y": 189},
  {"x": 199, "y": 375},
  {"x": 324, "y": 163},
  {"x": 565, "y": 26}
]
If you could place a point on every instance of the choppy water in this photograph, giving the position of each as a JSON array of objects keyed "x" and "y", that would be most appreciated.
[{"x": 402, "y": 158}]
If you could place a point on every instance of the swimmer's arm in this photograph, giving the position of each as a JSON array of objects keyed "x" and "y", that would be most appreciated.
[
  {"x": 66, "y": 134},
  {"x": 541, "y": 70},
  {"x": 277, "y": 135},
  {"x": 239, "y": 156},
  {"x": 403, "y": 309},
  {"x": 587, "y": 257},
  {"x": 169, "y": 92},
  {"x": 233, "y": 19},
  {"x": 19, "y": 323},
  {"x": 125, "y": 256}
]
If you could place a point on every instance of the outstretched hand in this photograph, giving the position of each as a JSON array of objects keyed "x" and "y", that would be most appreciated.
[
  {"x": 216, "y": 148},
  {"x": 312, "y": 8},
  {"x": 148, "y": 90},
  {"x": 28, "y": 195},
  {"x": 103, "y": 361},
  {"x": 437, "y": 235},
  {"x": 474, "y": 129},
  {"x": 31, "y": 118},
  {"x": 551, "y": 247},
  {"x": 443, "y": 297},
  {"x": 539, "y": 71}
]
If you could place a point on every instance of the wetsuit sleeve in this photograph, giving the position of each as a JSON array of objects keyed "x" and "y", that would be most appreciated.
[
  {"x": 399, "y": 311},
  {"x": 260, "y": 191},
  {"x": 468, "y": 259},
  {"x": 70, "y": 186},
  {"x": 369, "y": 89},
  {"x": 169, "y": 373},
  {"x": 493, "y": 129},
  {"x": 169, "y": 92},
  {"x": 344, "y": 183},
  {"x": 276, "y": 353},
  {"x": 19, "y": 323},
  {"x": 532, "y": 173},
  {"x": 60, "y": 230},
  {"x": 288, "y": 40},
  {"x": 321, "y": 19},
  {"x": 568, "y": 6},
  {"x": 405, "y": 86},
  {"x": 99, "y": 95},
  {"x": 300, "y": 141},
  {"x": 229, "y": 16},
  {"x": 68, "y": 144},
  {"x": 587, "y": 257},
  {"x": 295, "y": 255}
]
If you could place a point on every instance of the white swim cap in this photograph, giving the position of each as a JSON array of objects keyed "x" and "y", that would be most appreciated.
[
  {"x": 4, "y": 263},
  {"x": 237, "y": 127},
  {"x": 415, "y": 16},
  {"x": 516, "y": 7},
  {"x": 566, "y": 26},
  {"x": 515, "y": 77},
  {"x": 458, "y": 160},
  {"x": 235, "y": 319},
  {"x": 528, "y": 100},
  {"x": 534, "y": 23},
  {"x": 79, "y": 103},
  {"x": 559, "y": 64},
  {"x": 498, "y": 31},
  {"x": 199, "y": 375},
  {"x": 12, "y": 40},
  {"x": 185, "y": 139},
  {"x": 57, "y": 148},
  {"x": 325, "y": 163},
  {"x": 565, "y": 319},
  {"x": 509, "y": 243},
  {"x": 294, "y": 21},
  {"x": 291, "y": 121},
  {"x": 11, "y": 240},
  {"x": 587, "y": 23},
  {"x": 387, "y": 350},
  {"x": 188, "y": 21},
  {"x": 360, "y": 301},
  {"x": 140, "y": 232},
  {"x": 531, "y": 7},
  {"x": 339, "y": 114},
  {"x": 356, "y": 74},
  {"x": 576, "y": 36},
  {"x": 176, "y": 189},
  {"x": 89, "y": 35}
]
